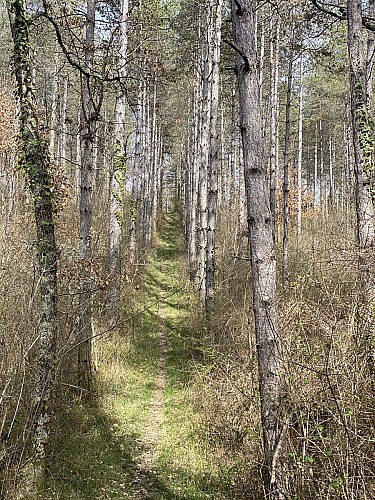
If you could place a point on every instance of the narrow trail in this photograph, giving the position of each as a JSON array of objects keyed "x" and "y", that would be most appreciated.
[
  {"x": 141, "y": 438},
  {"x": 152, "y": 430}
]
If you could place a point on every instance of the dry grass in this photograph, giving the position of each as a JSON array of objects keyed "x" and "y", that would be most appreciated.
[{"x": 328, "y": 396}]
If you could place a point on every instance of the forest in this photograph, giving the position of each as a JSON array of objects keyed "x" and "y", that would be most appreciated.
[{"x": 187, "y": 280}]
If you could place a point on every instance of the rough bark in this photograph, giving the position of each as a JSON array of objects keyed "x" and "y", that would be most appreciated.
[
  {"x": 274, "y": 101},
  {"x": 364, "y": 149},
  {"x": 192, "y": 194},
  {"x": 262, "y": 251},
  {"x": 53, "y": 112},
  {"x": 213, "y": 157},
  {"x": 363, "y": 140},
  {"x": 63, "y": 125},
  {"x": 88, "y": 120},
  {"x": 285, "y": 261},
  {"x": 300, "y": 146},
  {"x": 204, "y": 159},
  {"x": 118, "y": 171},
  {"x": 35, "y": 162}
]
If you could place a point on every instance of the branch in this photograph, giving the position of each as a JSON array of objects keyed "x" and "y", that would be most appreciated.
[
  {"x": 239, "y": 8},
  {"x": 240, "y": 52},
  {"x": 88, "y": 73},
  {"x": 367, "y": 22},
  {"x": 341, "y": 15}
]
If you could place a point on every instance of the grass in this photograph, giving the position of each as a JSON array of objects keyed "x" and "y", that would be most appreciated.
[{"x": 98, "y": 448}]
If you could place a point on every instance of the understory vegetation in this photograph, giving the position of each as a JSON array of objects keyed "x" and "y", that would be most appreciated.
[{"x": 187, "y": 210}]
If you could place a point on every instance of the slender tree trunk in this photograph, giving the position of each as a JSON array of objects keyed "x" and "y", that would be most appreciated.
[
  {"x": 53, "y": 114},
  {"x": 193, "y": 195},
  {"x": 262, "y": 250},
  {"x": 213, "y": 158},
  {"x": 63, "y": 127},
  {"x": 316, "y": 190},
  {"x": 274, "y": 99},
  {"x": 36, "y": 165},
  {"x": 322, "y": 179},
  {"x": 118, "y": 172},
  {"x": 88, "y": 122},
  {"x": 299, "y": 163},
  {"x": 370, "y": 57},
  {"x": 285, "y": 261},
  {"x": 204, "y": 158}
]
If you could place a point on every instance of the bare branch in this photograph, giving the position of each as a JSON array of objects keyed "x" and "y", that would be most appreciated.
[
  {"x": 341, "y": 14},
  {"x": 240, "y": 52}
]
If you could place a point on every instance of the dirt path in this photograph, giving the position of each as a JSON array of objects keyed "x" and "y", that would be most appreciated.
[
  {"x": 154, "y": 426},
  {"x": 152, "y": 431}
]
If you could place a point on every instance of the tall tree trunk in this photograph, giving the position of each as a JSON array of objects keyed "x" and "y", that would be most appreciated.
[
  {"x": 262, "y": 251},
  {"x": 118, "y": 171},
  {"x": 204, "y": 158},
  {"x": 36, "y": 165},
  {"x": 88, "y": 121},
  {"x": 193, "y": 185},
  {"x": 274, "y": 101},
  {"x": 63, "y": 125},
  {"x": 364, "y": 150},
  {"x": 300, "y": 146},
  {"x": 53, "y": 113},
  {"x": 213, "y": 158},
  {"x": 285, "y": 261},
  {"x": 316, "y": 167},
  {"x": 370, "y": 57}
]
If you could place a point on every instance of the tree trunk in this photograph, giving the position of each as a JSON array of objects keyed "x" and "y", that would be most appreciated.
[
  {"x": 370, "y": 57},
  {"x": 53, "y": 113},
  {"x": 63, "y": 127},
  {"x": 204, "y": 158},
  {"x": 285, "y": 262},
  {"x": 35, "y": 163},
  {"x": 88, "y": 122},
  {"x": 299, "y": 163},
  {"x": 213, "y": 158},
  {"x": 262, "y": 251},
  {"x": 193, "y": 186},
  {"x": 118, "y": 172},
  {"x": 274, "y": 99},
  {"x": 364, "y": 148}
]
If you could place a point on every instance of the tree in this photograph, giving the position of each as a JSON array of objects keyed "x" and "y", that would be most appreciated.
[
  {"x": 118, "y": 169},
  {"x": 263, "y": 261},
  {"x": 364, "y": 150},
  {"x": 213, "y": 157},
  {"x": 35, "y": 162}
]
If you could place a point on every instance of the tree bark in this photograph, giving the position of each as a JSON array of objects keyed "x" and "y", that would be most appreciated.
[
  {"x": 118, "y": 171},
  {"x": 274, "y": 104},
  {"x": 213, "y": 158},
  {"x": 88, "y": 121},
  {"x": 204, "y": 157},
  {"x": 35, "y": 162},
  {"x": 262, "y": 251},
  {"x": 285, "y": 261},
  {"x": 300, "y": 151},
  {"x": 364, "y": 150}
]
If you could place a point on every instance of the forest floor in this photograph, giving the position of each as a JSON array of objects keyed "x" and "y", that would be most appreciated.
[{"x": 142, "y": 437}]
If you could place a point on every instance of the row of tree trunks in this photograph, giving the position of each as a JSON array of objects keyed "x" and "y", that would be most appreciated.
[{"x": 201, "y": 176}]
